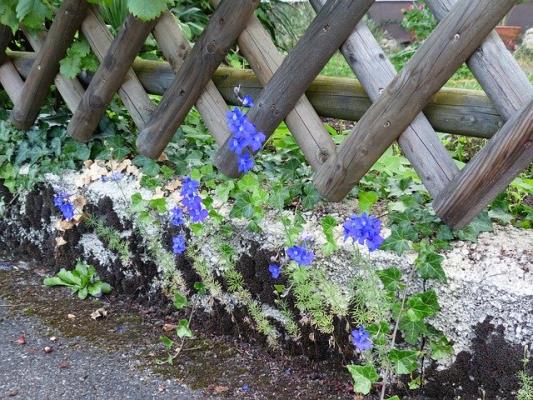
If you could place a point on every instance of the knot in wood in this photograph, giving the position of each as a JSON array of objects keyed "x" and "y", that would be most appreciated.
[
  {"x": 211, "y": 47},
  {"x": 322, "y": 155}
]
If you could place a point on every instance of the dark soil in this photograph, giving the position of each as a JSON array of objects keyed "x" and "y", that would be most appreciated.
[{"x": 491, "y": 369}]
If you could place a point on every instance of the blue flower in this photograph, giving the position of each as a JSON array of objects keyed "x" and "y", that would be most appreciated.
[
  {"x": 176, "y": 216},
  {"x": 190, "y": 187},
  {"x": 363, "y": 229},
  {"x": 275, "y": 270},
  {"x": 115, "y": 176},
  {"x": 247, "y": 101},
  {"x": 63, "y": 204},
  {"x": 301, "y": 255},
  {"x": 198, "y": 214},
  {"x": 178, "y": 244},
  {"x": 191, "y": 201},
  {"x": 246, "y": 162},
  {"x": 361, "y": 339}
]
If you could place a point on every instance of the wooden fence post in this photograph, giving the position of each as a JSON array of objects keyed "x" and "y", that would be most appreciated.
[
  {"x": 443, "y": 52},
  {"x": 70, "y": 89},
  {"x": 46, "y": 67},
  {"x": 223, "y": 29},
  {"x": 495, "y": 68},
  {"x": 131, "y": 91},
  {"x": 175, "y": 47},
  {"x": 109, "y": 77},
  {"x": 419, "y": 141},
  {"x": 9, "y": 77},
  {"x": 325, "y": 35},
  {"x": 508, "y": 153},
  {"x": 456, "y": 111},
  {"x": 304, "y": 123}
]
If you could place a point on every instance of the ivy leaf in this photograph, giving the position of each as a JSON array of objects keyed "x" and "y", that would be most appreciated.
[
  {"x": 363, "y": 377},
  {"x": 149, "y": 166},
  {"x": 160, "y": 205},
  {"x": 183, "y": 329},
  {"x": 412, "y": 330},
  {"x": 248, "y": 183},
  {"x": 391, "y": 279},
  {"x": 429, "y": 264},
  {"x": 147, "y": 9},
  {"x": 422, "y": 305},
  {"x": 180, "y": 301},
  {"x": 243, "y": 207},
  {"x": 441, "y": 348},
  {"x": 167, "y": 342},
  {"x": 396, "y": 242},
  {"x": 482, "y": 223},
  {"x": 280, "y": 194},
  {"x": 311, "y": 197},
  {"x": 404, "y": 361},
  {"x": 328, "y": 225},
  {"x": 367, "y": 200}
]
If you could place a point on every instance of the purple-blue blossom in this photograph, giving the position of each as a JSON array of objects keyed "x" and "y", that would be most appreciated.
[
  {"x": 364, "y": 229},
  {"x": 63, "y": 204},
  {"x": 178, "y": 244},
  {"x": 115, "y": 176},
  {"x": 192, "y": 201},
  {"x": 361, "y": 339},
  {"x": 301, "y": 255},
  {"x": 246, "y": 163},
  {"x": 275, "y": 270},
  {"x": 176, "y": 216},
  {"x": 247, "y": 101}
]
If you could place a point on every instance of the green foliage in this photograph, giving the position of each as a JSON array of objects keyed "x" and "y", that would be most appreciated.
[
  {"x": 364, "y": 376},
  {"x": 83, "y": 280},
  {"x": 31, "y": 14},
  {"x": 79, "y": 58},
  {"x": 526, "y": 386},
  {"x": 111, "y": 237},
  {"x": 419, "y": 20}
]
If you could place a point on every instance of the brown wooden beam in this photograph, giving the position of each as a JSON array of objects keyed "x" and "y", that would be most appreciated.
[
  {"x": 443, "y": 52},
  {"x": 224, "y": 27},
  {"x": 327, "y": 32},
  {"x": 46, "y": 66},
  {"x": 508, "y": 153}
]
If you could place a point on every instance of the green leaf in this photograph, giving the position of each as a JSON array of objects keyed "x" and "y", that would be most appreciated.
[
  {"x": 396, "y": 242},
  {"x": 367, "y": 200},
  {"x": 363, "y": 377},
  {"x": 55, "y": 281},
  {"x": 279, "y": 195},
  {"x": 167, "y": 342},
  {"x": 200, "y": 288},
  {"x": 183, "y": 329},
  {"x": 149, "y": 166},
  {"x": 329, "y": 223},
  {"x": 311, "y": 197},
  {"x": 482, "y": 223},
  {"x": 403, "y": 361},
  {"x": 147, "y": 9},
  {"x": 83, "y": 293},
  {"x": 391, "y": 279},
  {"x": 159, "y": 205},
  {"x": 412, "y": 330},
  {"x": 248, "y": 183},
  {"x": 423, "y": 305},
  {"x": 180, "y": 301},
  {"x": 429, "y": 264},
  {"x": 69, "y": 277},
  {"x": 441, "y": 349}
]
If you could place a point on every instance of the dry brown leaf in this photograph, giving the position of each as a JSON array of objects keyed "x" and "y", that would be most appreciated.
[
  {"x": 162, "y": 157},
  {"x": 173, "y": 185},
  {"x": 60, "y": 241},
  {"x": 100, "y": 313},
  {"x": 169, "y": 327},
  {"x": 64, "y": 225},
  {"x": 79, "y": 202}
]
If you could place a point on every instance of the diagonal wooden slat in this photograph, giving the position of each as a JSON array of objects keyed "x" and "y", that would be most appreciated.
[
  {"x": 419, "y": 141},
  {"x": 109, "y": 76},
  {"x": 304, "y": 123},
  {"x": 9, "y": 77},
  {"x": 508, "y": 153},
  {"x": 450, "y": 44},
  {"x": 225, "y": 25},
  {"x": 46, "y": 67},
  {"x": 131, "y": 91},
  {"x": 494, "y": 67},
  {"x": 175, "y": 47},
  {"x": 325, "y": 35},
  {"x": 70, "y": 89}
]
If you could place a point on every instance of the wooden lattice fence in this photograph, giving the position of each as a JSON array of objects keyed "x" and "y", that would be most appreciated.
[{"x": 463, "y": 34}]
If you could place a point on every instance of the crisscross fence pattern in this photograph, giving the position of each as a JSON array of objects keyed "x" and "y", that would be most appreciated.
[{"x": 463, "y": 34}]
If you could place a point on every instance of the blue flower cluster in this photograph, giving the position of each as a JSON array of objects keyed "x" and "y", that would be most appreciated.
[
  {"x": 115, "y": 176},
  {"x": 245, "y": 139},
  {"x": 275, "y": 270},
  {"x": 192, "y": 202},
  {"x": 63, "y": 204},
  {"x": 361, "y": 339},
  {"x": 363, "y": 229},
  {"x": 301, "y": 255}
]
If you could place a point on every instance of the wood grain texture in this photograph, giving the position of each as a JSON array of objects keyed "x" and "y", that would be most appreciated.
[
  {"x": 175, "y": 48},
  {"x": 46, "y": 67},
  {"x": 224, "y": 27},
  {"x": 325, "y": 35},
  {"x": 109, "y": 77},
  {"x": 451, "y": 43},
  {"x": 131, "y": 91},
  {"x": 304, "y": 123},
  {"x": 495, "y": 68},
  {"x": 455, "y": 111},
  {"x": 419, "y": 142},
  {"x": 70, "y": 89},
  {"x": 508, "y": 153},
  {"x": 5, "y": 38}
]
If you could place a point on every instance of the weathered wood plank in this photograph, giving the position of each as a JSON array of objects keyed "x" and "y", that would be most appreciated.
[
  {"x": 456, "y": 111},
  {"x": 175, "y": 48},
  {"x": 419, "y": 141},
  {"x": 131, "y": 91},
  {"x": 70, "y": 89},
  {"x": 304, "y": 123},
  {"x": 508, "y": 153},
  {"x": 46, "y": 67},
  {"x": 109, "y": 76},
  {"x": 495, "y": 68},
  {"x": 224, "y": 27},
  {"x": 450, "y": 44},
  {"x": 5, "y": 38},
  {"x": 327, "y": 32}
]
